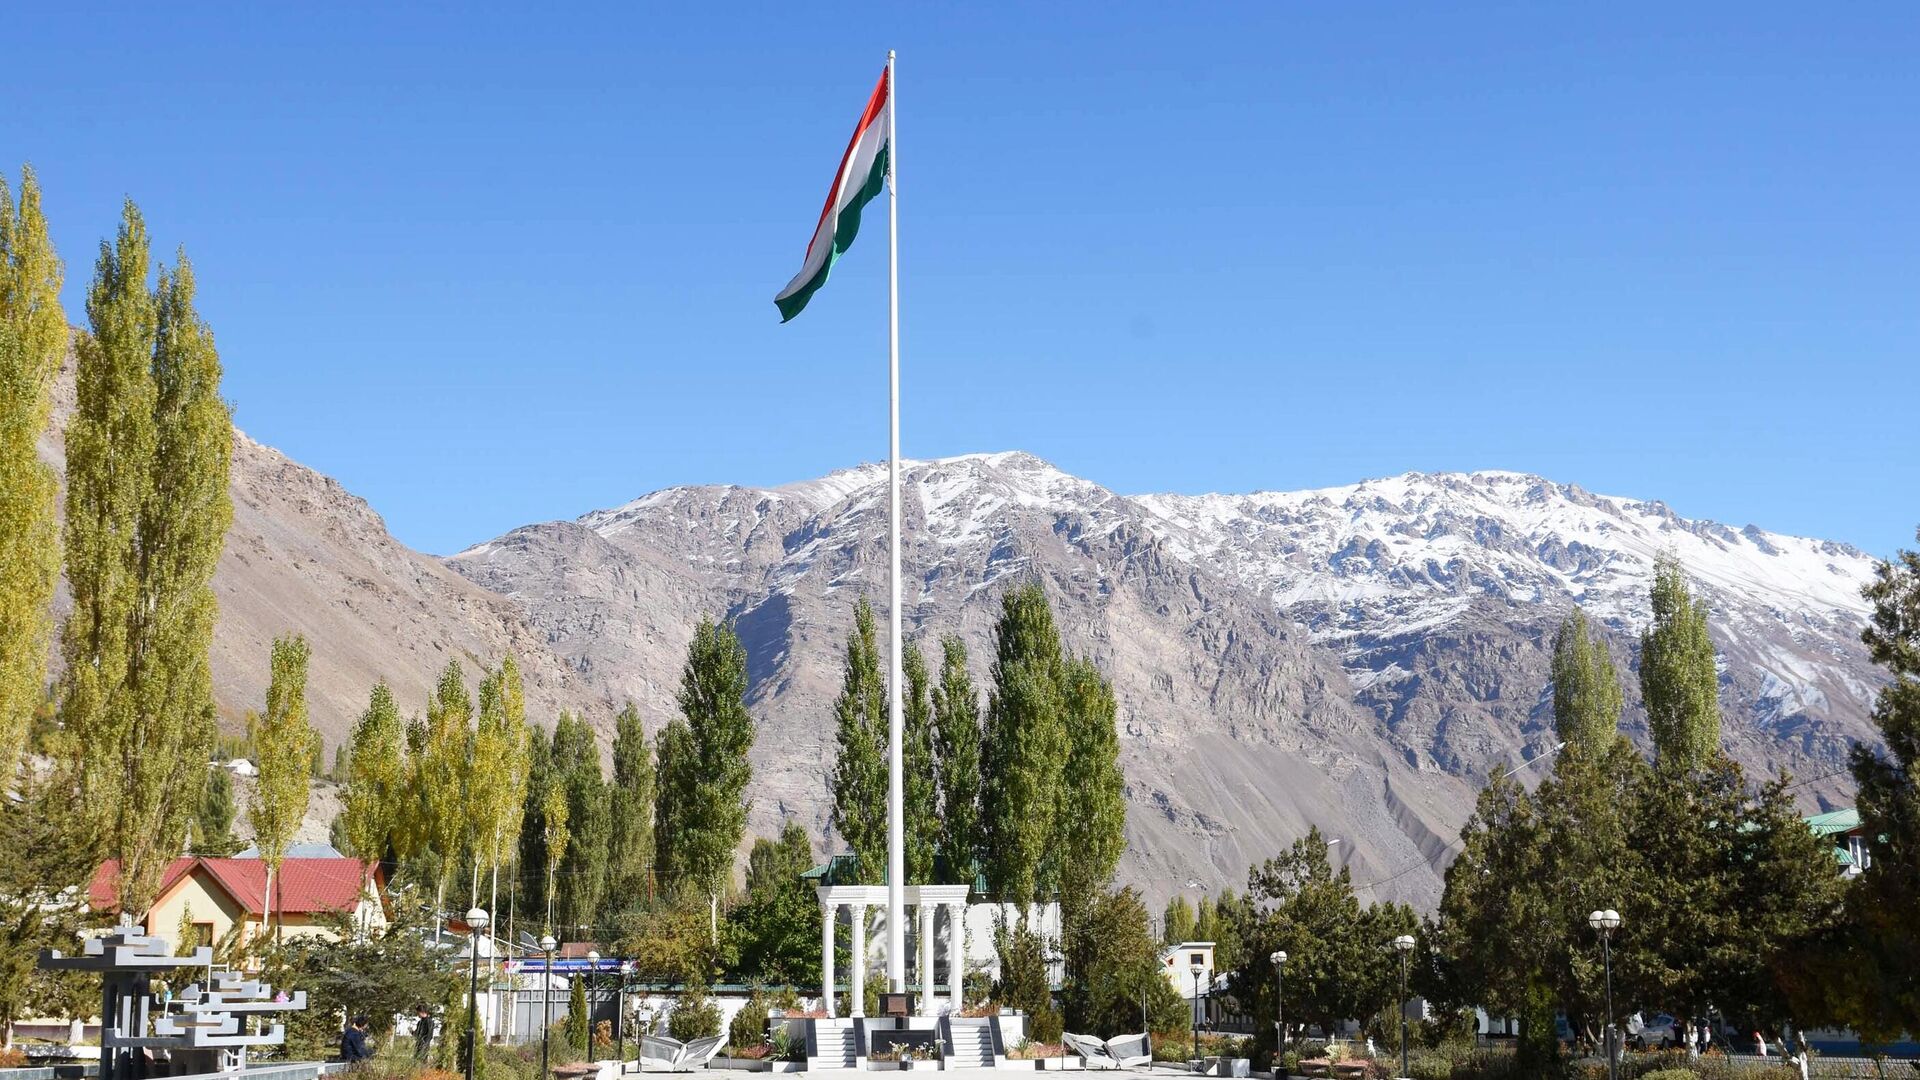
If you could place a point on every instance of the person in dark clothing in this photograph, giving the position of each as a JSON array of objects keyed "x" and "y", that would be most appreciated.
[
  {"x": 422, "y": 1032},
  {"x": 353, "y": 1043}
]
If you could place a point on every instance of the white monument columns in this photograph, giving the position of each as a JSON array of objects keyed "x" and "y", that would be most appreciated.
[{"x": 928, "y": 900}]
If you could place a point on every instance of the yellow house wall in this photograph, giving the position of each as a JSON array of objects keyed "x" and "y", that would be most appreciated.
[{"x": 210, "y": 903}]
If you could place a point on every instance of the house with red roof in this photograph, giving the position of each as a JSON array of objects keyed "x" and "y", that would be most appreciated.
[{"x": 216, "y": 895}]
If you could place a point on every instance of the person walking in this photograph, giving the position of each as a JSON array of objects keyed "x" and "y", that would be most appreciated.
[
  {"x": 353, "y": 1043},
  {"x": 422, "y": 1032},
  {"x": 1760, "y": 1041}
]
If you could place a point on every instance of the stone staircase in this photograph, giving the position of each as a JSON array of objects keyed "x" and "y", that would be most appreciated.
[
  {"x": 969, "y": 1042},
  {"x": 834, "y": 1046}
]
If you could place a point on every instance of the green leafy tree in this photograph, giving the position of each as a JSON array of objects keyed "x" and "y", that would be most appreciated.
[
  {"x": 1178, "y": 921},
  {"x": 1024, "y": 751},
  {"x": 919, "y": 795},
  {"x": 45, "y": 858},
  {"x": 213, "y": 820},
  {"x": 956, "y": 744},
  {"x": 1116, "y": 985},
  {"x": 376, "y": 778},
  {"x": 859, "y": 779},
  {"x": 1678, "y": 680},
  {"x": 1024, "y": 984},
  {"x": 497, "y": 776},
  {"x": 149, "y": 448},
  {"x": 381, "y": 972},
  {"x": 1881, "y": 977},
  {"x": 775, "y": 933},
  {"x": 1586, "y": 689},
  {"x": 33, "y": 341},
  {"x": 778, "y": 864},
  {"x": 576, "y": 767},
  {"x": 704, "y": 771},
  {"x": 281, "y": 738},
  {"x": 630, "y": 856}
]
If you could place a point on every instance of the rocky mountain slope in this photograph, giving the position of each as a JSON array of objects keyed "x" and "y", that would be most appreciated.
[
  {"x": 306, "y": 556},
  {"x": 1358, "y": 658}
]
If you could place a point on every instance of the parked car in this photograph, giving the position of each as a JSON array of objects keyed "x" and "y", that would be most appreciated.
[{"x": 1654, "y": 1032}]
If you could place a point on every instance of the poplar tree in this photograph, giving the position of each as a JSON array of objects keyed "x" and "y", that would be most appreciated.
[
  {"x": 441, "y": 774},
  {"x": 149, "y": 449},
  {"x": 33, "y": 342},
  {"x": 920, "y": 825},
  {"x": 553, "y": 819},
  {"x": 1092, "y": 823},
  {"x": 376, "y": 778},
  {"x": 630, "y": 855},
  {"x": 1177, "y": 922},
  {"x": 956, "y": 743},
  {"x": 532, "y": 858},
  {"x": 576, "y": 771},
  {"x": 704, "y": 771},
  {"x": 1678, "y": 680},
  {"x": 497, "y": 776},
  {"x": 859, "y": 779},
  {"x": 1586, "y": 691},
  {"x": 110, "y": 441},
  {"x": 281, "y": 737},
  {"x": 1024, "y": 751}
]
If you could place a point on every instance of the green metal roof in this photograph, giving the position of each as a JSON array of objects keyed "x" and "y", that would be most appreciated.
[{"x": 1834, "y": 821}]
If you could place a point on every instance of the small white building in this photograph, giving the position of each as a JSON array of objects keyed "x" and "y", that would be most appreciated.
[{"x": 1178, "y": 961}]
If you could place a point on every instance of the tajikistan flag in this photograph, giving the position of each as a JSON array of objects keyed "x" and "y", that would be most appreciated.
[{"x": 863, "y": 170}]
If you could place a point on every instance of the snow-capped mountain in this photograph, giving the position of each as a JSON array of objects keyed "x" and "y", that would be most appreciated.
[{"x": 1357, "y": 658}]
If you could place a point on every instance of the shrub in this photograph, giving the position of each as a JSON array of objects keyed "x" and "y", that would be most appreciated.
[
  {"x": 749, "y": 1026},
  {"x": 1427, "y": 1065},
  {"x": 1670, "y": 1074},
  {"x": 1044, "y": 1024},
  {"x": 694, "y": 1016},
  {"x": 1309, "y": 1049}
]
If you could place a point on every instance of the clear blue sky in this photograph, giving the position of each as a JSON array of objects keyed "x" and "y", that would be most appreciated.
[{"x": 500, "y": 265}]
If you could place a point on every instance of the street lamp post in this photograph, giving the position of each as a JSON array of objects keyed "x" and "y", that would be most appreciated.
[
  {"x": 1279, "y": 959},
  {"x": 1403, "y": 945},
  {"x": 546, "y": 1002},
  {"x": 593, "y": 970},
  {"x": 1605, "y": 923},
  {"x": 477, "y": 925},
  {"x": 619, "y": 1018},
  {"x": 1197, "y": 972}
]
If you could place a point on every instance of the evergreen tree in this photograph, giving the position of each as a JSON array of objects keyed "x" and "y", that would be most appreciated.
[
  {"x": 33, "y": 341},
  {"x": 630, "y": 855},
  {"x": 1883, "y": 951},
  {"x": 919, "y": 797},
  {"x": 704, "y": 771},
  {"x": 441, "y": 773},
  {"x": 1586, "y": 690},
  {"x": 1177, "y": 923},
  {"x": 859, "y": 780},
  {"x": 213, "y": 820},
  {"x": 576, "y": 769},
  {"x": 281, "y": 738},
  {"x": 1092, "y": 824},
  {"x": 376, "y": 778},
  {"x": 1678, "y": 680},
  {"x": 956, "y": 739},
  {"x": 1023, "y": 751}
]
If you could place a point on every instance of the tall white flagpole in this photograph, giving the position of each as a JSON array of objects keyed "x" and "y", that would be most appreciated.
[{"x": 896, "y": 850}]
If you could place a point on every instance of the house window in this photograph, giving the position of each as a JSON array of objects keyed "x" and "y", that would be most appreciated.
[
  {"x": 203, "y": 934},
  {"x": 1200, "y": 958},
  {"x": 1857, "y": 848}
]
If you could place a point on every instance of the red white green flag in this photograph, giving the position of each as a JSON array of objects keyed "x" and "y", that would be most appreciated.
[{"x": 863, "y": 171}]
